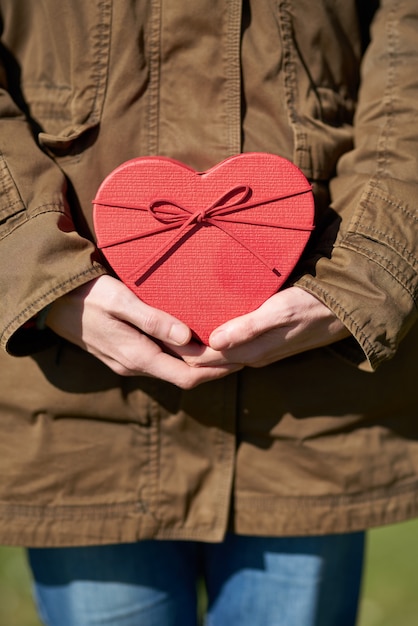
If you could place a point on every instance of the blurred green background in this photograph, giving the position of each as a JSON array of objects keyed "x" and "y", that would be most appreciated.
[{"x": 390, "y": 583}]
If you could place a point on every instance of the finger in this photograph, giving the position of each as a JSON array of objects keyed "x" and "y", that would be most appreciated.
[
  {"x": 184, "y": 376},
  {"x": 280, "y": 310},
  {"x": 141, "y": 356},
  {"x": 151, "y": 321},
  {"x": 198, "y": 355},
  {"x": 243, "y": 329}
]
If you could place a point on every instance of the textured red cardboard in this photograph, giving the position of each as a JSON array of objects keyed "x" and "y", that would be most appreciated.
[{"x": 204, "y": 246}]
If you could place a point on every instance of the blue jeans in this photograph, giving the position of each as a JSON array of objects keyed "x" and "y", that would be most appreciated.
[{"x": 249, "y": 581}]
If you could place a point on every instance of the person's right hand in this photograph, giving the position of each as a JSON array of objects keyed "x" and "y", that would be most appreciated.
[{"x": 105, "y": 318}]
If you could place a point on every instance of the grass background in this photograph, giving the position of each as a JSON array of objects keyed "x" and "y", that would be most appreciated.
[{"x": 390, "y": 583}]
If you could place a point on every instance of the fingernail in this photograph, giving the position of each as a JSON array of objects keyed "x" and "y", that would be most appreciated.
[{"x": 179, "y": 334}]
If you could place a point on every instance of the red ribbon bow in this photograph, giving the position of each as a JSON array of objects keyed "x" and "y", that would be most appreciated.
[{"x": 177, "y": 217}]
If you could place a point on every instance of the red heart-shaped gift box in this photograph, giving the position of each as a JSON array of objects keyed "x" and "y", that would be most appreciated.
[{"x": 204, "y": 246}]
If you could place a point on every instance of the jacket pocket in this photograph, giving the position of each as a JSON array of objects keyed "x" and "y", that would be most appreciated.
[
  {"x": 62, "y": 143},
  {"x": 65, "y": 95},
  {"x": 321, "y": 73},
  {"x": 10, "y": 201}
]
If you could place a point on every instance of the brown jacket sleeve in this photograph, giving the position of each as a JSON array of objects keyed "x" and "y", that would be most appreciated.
[
  {"x": 370, "y": 280},
  {"x": 41, "y": 255}
]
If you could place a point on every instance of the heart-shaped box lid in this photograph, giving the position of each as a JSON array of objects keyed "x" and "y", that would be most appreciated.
[{"x": 204, "y": 246}]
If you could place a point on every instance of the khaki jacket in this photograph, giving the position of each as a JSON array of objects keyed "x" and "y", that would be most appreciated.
[{"x": 323, "y": 442}]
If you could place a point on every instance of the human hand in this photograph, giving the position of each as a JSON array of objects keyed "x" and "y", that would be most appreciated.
[
  {"x": 107, "y": 320},
  {"x": 290, "y": 322}
]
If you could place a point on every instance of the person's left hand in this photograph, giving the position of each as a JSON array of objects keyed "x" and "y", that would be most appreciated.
[{"x": 290, "y": 322}]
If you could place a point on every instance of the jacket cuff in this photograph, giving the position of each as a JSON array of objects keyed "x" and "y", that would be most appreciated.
[
  {"x": 55, "y": 260},
  {"x": 376, "y": 309}
]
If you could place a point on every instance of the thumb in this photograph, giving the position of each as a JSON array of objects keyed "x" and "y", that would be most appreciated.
[{"x": 235, "y": 332}]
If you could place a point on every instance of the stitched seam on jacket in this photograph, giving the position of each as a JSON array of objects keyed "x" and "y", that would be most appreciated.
[
  {"x": 301, "y": 151},
  {"x": 101, "y": 44},
  {"x": 9, "y": 192},
  {"x": 395, "y": 244},
  {"x": 361, "y": 230},
  {"x": 362, "y": 338},
  {"x": 403, "y": 279},
  {"x": 347, "y": 319},
  {"x": 380, "y": 235},
  {"x": 71, "y": 511},
  {"x": 226, "y": 457},
  {"x": 247, "y": 500},
  {"x": 41, "y": 210},
  {"x": 233, "y": 73},
  {"x": 392, "y": 47},
  {"x": 58, "y": 290},
  {"x": 154, "y": 77}
]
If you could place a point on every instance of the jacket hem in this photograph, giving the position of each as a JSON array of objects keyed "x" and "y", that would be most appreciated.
[
  {"x": 29, "y": 526},
  {"x": 309, "y": 517}
]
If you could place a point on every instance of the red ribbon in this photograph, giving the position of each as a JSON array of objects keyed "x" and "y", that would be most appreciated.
[{"x": 175, "y": 216}]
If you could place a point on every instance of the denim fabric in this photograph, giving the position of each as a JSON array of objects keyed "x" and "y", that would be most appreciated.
[{"x": 308, "y": 581}]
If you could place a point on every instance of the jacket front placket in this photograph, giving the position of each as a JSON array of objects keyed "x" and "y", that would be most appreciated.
[{"x": 193, "y": 452}]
